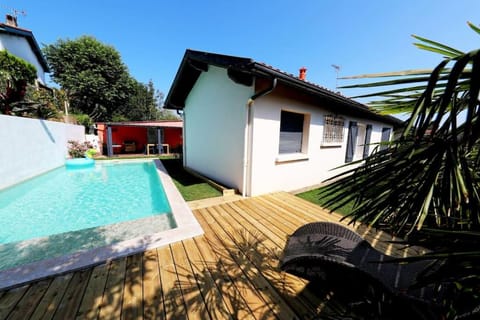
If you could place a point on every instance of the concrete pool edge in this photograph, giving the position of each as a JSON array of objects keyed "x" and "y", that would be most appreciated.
[{"x": 187, "y": 227}]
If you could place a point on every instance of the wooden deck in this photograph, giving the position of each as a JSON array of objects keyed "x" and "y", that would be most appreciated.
[{"x": 228, "y": 273}]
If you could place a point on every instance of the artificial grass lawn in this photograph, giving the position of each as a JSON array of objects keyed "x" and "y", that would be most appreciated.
[
  {"x": 191, "y": 187},
  {"x": 314, "y": 197}
]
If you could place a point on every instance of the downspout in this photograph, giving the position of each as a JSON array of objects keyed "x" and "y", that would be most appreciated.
[
  {"x": 184, "y": 142},
  {"x": 247, "y": 152}
]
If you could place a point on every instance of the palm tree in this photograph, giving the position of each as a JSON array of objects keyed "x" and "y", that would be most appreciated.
[{"x": 425, "y": 186}]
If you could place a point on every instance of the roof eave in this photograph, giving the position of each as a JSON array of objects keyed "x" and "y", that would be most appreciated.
[
  {"x": 184, "y": 82},
  {"x": 31, "y": 41},
  {"x": 357, "y": 107},
  {"x": 186, "y": 66}
]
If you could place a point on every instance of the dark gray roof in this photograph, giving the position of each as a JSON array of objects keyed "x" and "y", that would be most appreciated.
[{"x": 244, "y": 70}]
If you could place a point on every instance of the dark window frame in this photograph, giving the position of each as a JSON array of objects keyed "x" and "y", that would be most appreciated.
[{"x": 292, "y": 135}]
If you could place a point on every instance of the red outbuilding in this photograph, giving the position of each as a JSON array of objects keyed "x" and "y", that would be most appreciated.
[{"x": 145, "y": 137}]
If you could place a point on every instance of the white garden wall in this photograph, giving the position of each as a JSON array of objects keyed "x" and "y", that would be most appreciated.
[{"x": 29, "y": 147}]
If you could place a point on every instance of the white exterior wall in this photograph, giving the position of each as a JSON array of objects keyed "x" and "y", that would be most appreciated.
[
  {"x": 268, "y": 173},
  {"x": 30, "y": 147},
  {"x": 214, "y": 127},
  {"x": 20, "y": 47}
]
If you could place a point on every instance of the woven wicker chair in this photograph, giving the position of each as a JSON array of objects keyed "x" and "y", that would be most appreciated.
[{"x": 316, "y": 249}]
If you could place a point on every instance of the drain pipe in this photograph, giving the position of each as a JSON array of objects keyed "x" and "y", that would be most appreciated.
[{"x": 247, "y": 152}]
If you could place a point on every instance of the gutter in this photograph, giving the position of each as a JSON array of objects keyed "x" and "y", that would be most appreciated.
[
  {"x": 247, "y": 152},
  {"x": 263, "y": 92}
]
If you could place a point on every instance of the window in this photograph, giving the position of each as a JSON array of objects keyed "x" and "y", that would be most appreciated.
[
  {"x": 333, "y": 130},
  {"x": 292, "y": 133},
  {"x": 386, "y": 132},
  {"x": 358, "y": 141}
]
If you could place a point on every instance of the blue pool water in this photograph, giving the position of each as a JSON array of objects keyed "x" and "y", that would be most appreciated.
[{"x": 66, "y": 200}]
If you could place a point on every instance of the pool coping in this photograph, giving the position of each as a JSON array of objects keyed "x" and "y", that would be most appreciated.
[{"x": 187, "y": 227}]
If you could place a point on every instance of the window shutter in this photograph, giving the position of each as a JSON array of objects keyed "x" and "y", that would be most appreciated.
[
  {"x": 368, "y": 133},
  {"x": 352, "y": 141},
  {"x": 385, "y": 137},
  {"x": 291, "y": 132}
]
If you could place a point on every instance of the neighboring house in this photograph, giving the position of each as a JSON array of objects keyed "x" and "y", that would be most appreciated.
[
  {"x": 257, "y": 129},
  {"x": 140, "y": 137},
  {"x": 21, "y": 43}
]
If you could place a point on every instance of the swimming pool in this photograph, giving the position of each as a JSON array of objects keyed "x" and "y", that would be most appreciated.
[
  {"x": 137, "y": 214},
  {"x": 65, "y": 200}
]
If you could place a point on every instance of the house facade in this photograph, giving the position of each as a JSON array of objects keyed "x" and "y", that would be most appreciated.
[
  {"x": 257, "y": 129},
  {"x": 21, "y": 43}
]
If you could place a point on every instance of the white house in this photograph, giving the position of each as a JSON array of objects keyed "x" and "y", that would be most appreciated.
[
  {"x": 21, "y": 43},
  {"x": 257, "y": 129}
]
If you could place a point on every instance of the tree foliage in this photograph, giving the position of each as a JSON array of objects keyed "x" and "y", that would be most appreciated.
[
  {"x": 40, "y": 103},
  {"x": 142, "y": 104},
  {"x": 98, "y": 84},
  {"x": 426, "y": 185},
  {"x": 93, "y": 75}
]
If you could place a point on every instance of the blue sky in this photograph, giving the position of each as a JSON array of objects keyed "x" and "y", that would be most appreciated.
[{"x": 366, "y": 36}]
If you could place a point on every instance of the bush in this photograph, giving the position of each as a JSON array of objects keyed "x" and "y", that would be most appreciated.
[
  {"x": 79, "y": 150},
  {"x": 84, "y": 120}
]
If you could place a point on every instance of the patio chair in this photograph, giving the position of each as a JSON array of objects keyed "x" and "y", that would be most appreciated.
[{"x": 318, "y": 250}]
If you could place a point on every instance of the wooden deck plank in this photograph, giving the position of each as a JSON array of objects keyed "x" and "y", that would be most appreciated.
[
  {"x": 242, "y": 296},
  {"x": 188, "y": 285},
  {"x": 293, "y": 214},
  {"x": 212, "y": 297},
  {"x": 261, "y": 304},
  {"x": 264, "y": 213},
  {"x": 92, "y": 299},
  {"x": 152, "y": 287},
  {"x": 266, "y": 227},
  {"x": 70, "y": 302},
  {"x": 173, "y": 298},
  {"x": 264, "y": 256},
  {"x": 230, "y": 272},
  {"x": 269, "y": 241},
  {"x": 111, "y": 307},
  {"x": 48, "y": 305},
  {"x": 311, "y": 211},
  {"x": 132, "y": 306},
  {"x": 26, "y": 306},
  {"x": 304, "y": 302},
  {"x": 10, "y": 299},
  {"x": 230, "y": 295}
]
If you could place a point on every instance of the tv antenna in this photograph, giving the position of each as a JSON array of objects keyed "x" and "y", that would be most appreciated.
[
  {"x": 337, "y": 70},
  {"x": 16, "y": 13}
]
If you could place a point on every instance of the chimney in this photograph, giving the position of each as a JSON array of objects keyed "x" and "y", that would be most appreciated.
[
  {"x": 303, "y": 73},
  {"x": 11, "y": 21}
]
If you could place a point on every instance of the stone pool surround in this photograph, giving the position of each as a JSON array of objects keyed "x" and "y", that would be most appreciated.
[{"x": 186, "y": 227}]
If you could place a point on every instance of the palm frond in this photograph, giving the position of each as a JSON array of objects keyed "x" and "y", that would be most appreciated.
[
  {"x": 426, "y": 185},
  {"x": 429, "y": 45},
  {"x": 473, "y": 27}
]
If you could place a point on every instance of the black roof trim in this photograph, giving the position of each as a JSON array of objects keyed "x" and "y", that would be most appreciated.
[{"x": 187, "y": 75}]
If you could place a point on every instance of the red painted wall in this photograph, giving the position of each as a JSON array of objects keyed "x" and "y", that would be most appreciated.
[{"x": 172, "y": 136}]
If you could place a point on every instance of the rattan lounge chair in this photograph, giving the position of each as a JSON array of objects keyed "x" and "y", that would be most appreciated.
[{"x": 320, "y": 249}]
